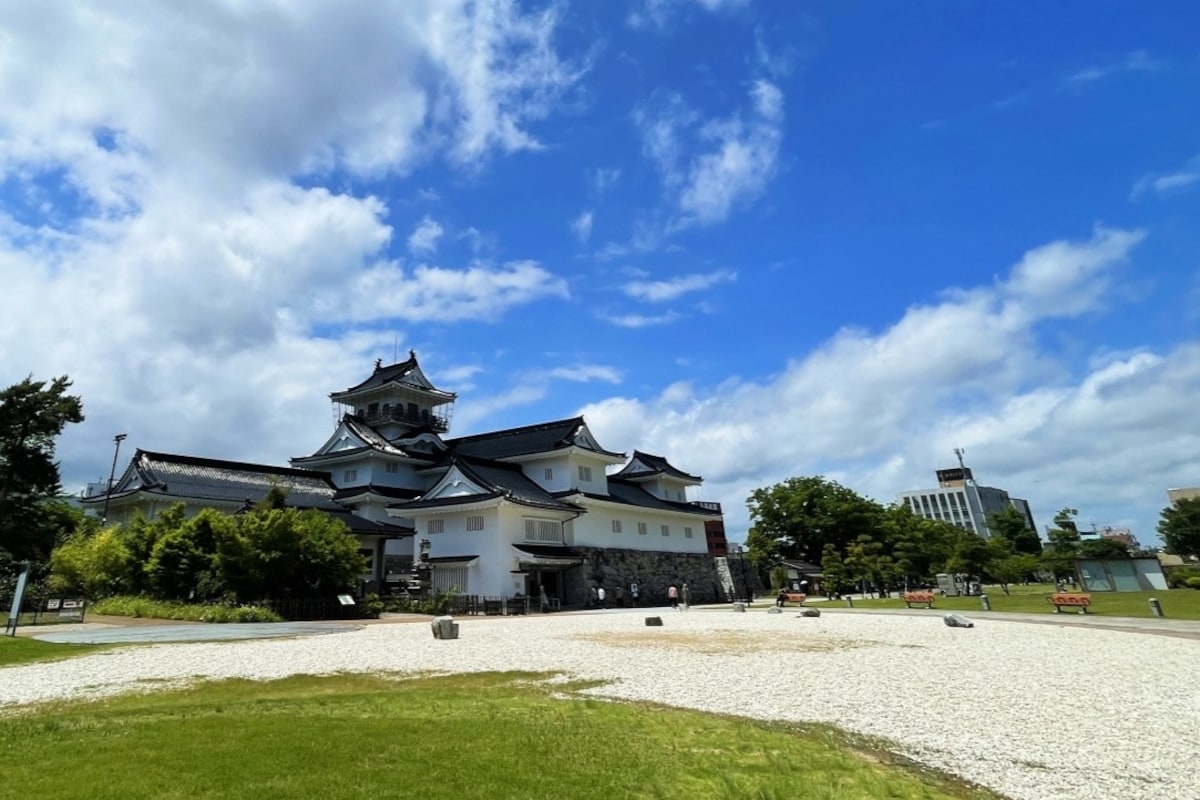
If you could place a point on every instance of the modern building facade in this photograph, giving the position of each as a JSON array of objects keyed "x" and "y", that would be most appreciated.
[{"x": 959, "y": 500}]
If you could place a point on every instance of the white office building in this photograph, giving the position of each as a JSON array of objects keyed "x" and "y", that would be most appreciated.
[{"x": 959, "y": 500}]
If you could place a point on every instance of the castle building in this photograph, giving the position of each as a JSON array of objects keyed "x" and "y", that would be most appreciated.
[
  {"x": 527, "y": 510},
  {"x": 517, "y": 511}
]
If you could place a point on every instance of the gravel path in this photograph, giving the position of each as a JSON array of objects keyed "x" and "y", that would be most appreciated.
[{"x": 1032, "y": 711}]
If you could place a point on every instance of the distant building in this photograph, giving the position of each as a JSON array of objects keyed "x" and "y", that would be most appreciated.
[
  {"x": 959, "y": 500},
  {"x": 1186, "y": 493}
]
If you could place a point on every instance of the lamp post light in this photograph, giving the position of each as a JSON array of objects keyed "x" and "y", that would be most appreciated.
[
  {"x": 745, "y": 580},
  {"x": 120, "y": 437}
]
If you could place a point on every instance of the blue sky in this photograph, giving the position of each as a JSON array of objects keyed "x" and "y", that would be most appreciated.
[{"x": 764, "y": 239}]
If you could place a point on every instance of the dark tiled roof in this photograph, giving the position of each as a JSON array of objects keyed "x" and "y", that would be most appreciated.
[
  {"x": 226, "y": 481},
  {"x": 620, "y": 491},
  {"x": 390, "y": 374},
  {"x": 542, "y": 438},
  {"x": 499, "y": 480},
  {"x": 549, "y": 550},
  {"x": 655, "y": 465},
  {"x": 383, "y": 491},
  {"x": 362, "y": 525}
]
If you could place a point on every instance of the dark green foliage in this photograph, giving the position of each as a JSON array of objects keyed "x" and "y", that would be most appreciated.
[
  {"x": 797, "y": 518},
  {"x": 1179, "y": 527},
  {"x": 1011, "y": 524},
  {"x": 1178, "y": 578},
  {"x": 32, "y": 416},
  {"x": 267, "y": 552},
  {"x": 1103, "y": 548},
  {"x": 970, "y": 556}
]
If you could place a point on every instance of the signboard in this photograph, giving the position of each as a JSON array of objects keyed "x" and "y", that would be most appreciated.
[
  {"x": 66, "y": 608},
  {"x": 345, "y": 599},
  {"x": 10, "y": 629}
]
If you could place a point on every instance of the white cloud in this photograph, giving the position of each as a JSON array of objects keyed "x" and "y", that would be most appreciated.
[
  {"x": 581, "y": 226},
  {"x": 658, "y": 291},
  {"x": 640, "y": 320},
  {"x": 1169, "y": 182},
  {"x": 187, "y": 270},
  {"x": 424, "y": 237},
  {"x": 709, "y": 168},
  {"x": 657, "y": 13},
  {"x": 585, "y": 373},
  {"x": 1134, "y": 61},
  {"x": 882, "y": 410}
]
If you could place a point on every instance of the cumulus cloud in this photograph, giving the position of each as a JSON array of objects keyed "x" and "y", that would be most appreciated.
[
  {"x": 658, "y": 291},
  {"x": 658, "y": 13},
  {"x": 166, "y": 239},
  {"x": 710, "y": 167},
  {"x": 1133, "y": 61},
  {"x": 881, "y": 410},
  {"x": 424, "y": 237}
]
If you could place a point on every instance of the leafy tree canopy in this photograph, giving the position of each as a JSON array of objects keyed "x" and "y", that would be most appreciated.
[
  {"x": 32, "y": 416},
  {"x": 1012, "y": 525},
  {"x": 1179, "y": 527},
  {"x": 797, "y": 518}
]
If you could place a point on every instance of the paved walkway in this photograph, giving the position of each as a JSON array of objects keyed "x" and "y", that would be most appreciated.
[{"x": 117, "y": 630}]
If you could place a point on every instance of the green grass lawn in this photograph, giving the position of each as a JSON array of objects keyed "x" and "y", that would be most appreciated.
[
  {"x": 1176, "y": 603},
  {"x": 20, "y": 650},
  {"x": 458, "y": 737}
]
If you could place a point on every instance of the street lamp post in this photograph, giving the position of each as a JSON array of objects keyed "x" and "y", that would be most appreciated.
[
  {"x": 745, "y": 579},
  {"x": 120, "y": 437}
]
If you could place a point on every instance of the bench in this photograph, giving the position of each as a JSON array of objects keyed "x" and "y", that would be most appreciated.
[
  {"x": 793, "y": 597},
  {"x": 921, "y": 598},
  {"x": 1069, "y": 600}
]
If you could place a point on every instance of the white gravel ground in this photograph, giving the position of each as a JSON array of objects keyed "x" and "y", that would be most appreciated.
[{"x": 1031, "y": 711}]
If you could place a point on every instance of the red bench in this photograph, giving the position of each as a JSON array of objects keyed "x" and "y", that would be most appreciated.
[
  {"x": 792, "y": 597},
  {"x": 1062, "y": 600},
  {"x": 922, "y": 598}
]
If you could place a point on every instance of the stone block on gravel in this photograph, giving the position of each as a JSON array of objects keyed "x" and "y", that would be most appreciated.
[
  {"x": 653, "y": 622},
  {"x": 810, "y": 612},
  {"x": 957, "y": 621}
]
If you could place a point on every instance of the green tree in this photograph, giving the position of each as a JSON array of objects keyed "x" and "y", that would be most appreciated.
[
  {"x": 970, "y": 556},
  {"x": 182, "y": 564},
  {"x": 32, "y": 416},
  {"x": 1179, "y": 527},
  {"x": 1103, "y": 548},
  {"x": 97, "y": 565},
  {"x": 1059, "y": 555},
  {"x": 920, "y": 547},
  {"x": 275, "y": 552},
  {"x": 1012, "y": 569},
  {"x": 833, "y": 572},
  {"x": 1012, "y": 525},
  {"x": 797, "y": 518}
]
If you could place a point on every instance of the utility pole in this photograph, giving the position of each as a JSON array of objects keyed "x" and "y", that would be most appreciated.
[{"x": 120, "y": 437}]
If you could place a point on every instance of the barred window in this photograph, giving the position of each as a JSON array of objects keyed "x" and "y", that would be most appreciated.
[
  {"x": 687, "y": 532},
  {"x": 641, "y": 529},
  {"x": 666, "y": 530},
  {"x": 435, "y": 526},
  {"x": 585, "y": 474},
  {"x": 474, "y": 523},
  {"x": 616, "y": 526}
]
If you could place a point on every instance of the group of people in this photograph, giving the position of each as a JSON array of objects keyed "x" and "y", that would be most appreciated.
[{"x": 598, "y": 596}]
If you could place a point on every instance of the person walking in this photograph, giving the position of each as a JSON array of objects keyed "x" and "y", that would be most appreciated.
[
  {"x": 633, "y": 593},
  {"x": 601, "y": 595},
  {"x": 686, "y": 596},
  {"x": 673, "y": 597}
]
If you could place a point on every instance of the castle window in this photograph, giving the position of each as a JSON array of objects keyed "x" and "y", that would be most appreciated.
[
  {"x": 687, "y": 533},
  {"x": 585, "y": 474},
  {"x": 641, "y": 529},
  {"x": 350, "y": 475},
  {"x": 393, "y": 468},
  {"x": 435, "y": 526},
  {"x": 474, "y": 523},
  {"x": 666, "y": 530},
  {"x": 616, "y": 526},
  {"x": 549, "y": 474}
]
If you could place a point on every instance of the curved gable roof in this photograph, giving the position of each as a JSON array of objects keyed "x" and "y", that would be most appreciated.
[
  {"x": 645, "y": 465},
  {"x": 545, "y": 437},
  {"x": 406, "y": 373}
]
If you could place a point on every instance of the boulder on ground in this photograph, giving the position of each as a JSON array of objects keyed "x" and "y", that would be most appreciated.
[
  {"x": 653, "y": 622},
  {"x": 957, "y": 621},
  {"x": 811, "y": 612}
]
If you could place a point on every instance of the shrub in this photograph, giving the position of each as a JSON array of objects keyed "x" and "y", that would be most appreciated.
[
  {"x": 1178, "y": 577},
  {"x": 1193, "y": 583},
  {"x": 130, "y": 606}
]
